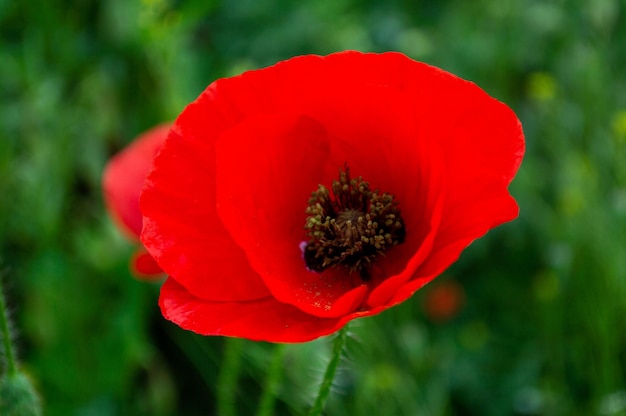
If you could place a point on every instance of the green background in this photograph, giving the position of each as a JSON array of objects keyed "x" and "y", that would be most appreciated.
[{"x": 542, "y": 330}]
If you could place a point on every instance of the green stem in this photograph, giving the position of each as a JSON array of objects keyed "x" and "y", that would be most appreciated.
[
  {"x": 5, "y": 333},
  {"x": 227, "y": 380},
  {"x": 338, "y": 344},
  {"x": 272, "y": 382}
]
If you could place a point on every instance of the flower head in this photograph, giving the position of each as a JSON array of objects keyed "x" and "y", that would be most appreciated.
[
  {"x": 444, "y": 301},
  {"x": 122, "y": 181},
  {"x": 289, "y": 200}
]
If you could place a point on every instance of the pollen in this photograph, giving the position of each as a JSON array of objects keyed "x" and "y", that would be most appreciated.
[{"x": 350, "y": 225}]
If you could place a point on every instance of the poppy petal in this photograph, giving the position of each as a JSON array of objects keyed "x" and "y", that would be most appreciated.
[
  {"x": 482, "y": 153},
  {"x": 259, "y": 320},
  {"x": 184, "y": 235},
  {"x": 123, "y": 178}
]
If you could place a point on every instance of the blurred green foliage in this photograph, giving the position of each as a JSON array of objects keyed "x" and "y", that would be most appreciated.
[{"x": 542, "y": 331}]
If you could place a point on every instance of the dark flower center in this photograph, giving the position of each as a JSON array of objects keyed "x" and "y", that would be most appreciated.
[{"x": 350, "y": 227}]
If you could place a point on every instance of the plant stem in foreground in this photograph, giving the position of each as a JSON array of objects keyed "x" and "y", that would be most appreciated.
[
  {"x": 228, "y": 377},
  {"x": 272, "y": 382},
  {"x": 5, "y": 333},
  {"x": 338, "y": 344}
]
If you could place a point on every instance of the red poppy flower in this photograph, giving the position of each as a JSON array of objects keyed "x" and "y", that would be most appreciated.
[
  {"x": 444, "y": 301},
  {"x": 290, "y": 200},
  {"x": 122, "y": 181}
]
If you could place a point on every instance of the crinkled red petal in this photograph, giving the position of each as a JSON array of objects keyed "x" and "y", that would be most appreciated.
[
  {"x": 483, "y": 145},
  {"x": 181, "y": 228},
  {"x": 259, "y": 320},
  {"x": 123, "y": 178}
]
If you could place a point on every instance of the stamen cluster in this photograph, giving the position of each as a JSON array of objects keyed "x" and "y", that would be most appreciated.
[{"x": 352, "y": 226}]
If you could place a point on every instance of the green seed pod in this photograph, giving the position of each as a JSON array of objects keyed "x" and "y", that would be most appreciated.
[{"x": 18, "y": 397}]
